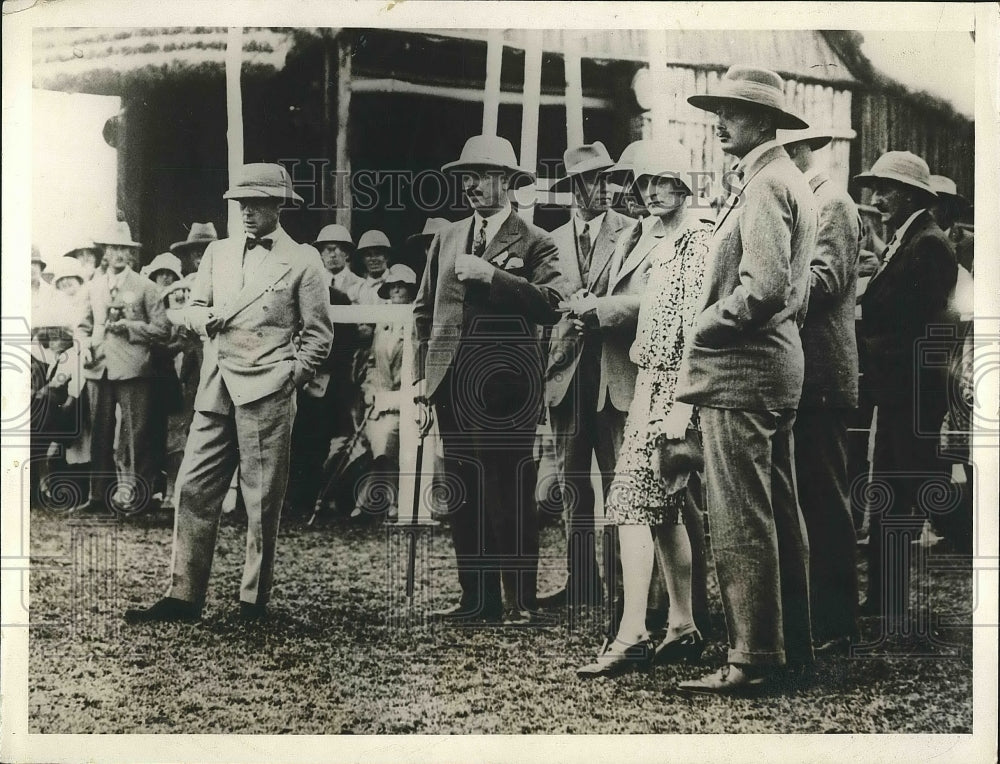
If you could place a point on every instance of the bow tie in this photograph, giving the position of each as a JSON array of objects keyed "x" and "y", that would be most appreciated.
[{"x": 265, "y": 243}]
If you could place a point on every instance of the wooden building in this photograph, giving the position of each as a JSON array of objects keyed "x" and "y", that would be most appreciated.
[{"x": 385, "y": 101}]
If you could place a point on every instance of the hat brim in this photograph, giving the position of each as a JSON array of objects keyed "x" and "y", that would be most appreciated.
[
  {"x": 133, "y": 244},
  {"x": 565, "y": 183},
  {"x": 869, "y": 178},
  {"x": 184, "y": 246},
  {"x": 257, "y": 192},
  {"x": 815, "y": 143},
  {"x": 341, "y": 242},
  {"x": 519, "y": 176},
  {"x": 785, "y": 119}
]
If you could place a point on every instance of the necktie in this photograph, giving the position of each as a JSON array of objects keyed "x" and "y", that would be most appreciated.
[
  {"x": 585, "y": 243},
  {"x": 265, "y": 243},
  {"x": 479, "y": 247}
]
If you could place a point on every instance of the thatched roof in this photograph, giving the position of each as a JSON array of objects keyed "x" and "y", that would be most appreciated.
[{"x": 105, "y": 60}]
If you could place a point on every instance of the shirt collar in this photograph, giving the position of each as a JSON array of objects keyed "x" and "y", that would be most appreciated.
[
  {"x": 593, "y": 225},
  {"x": 901, "y": 231},
  {"x": 493, "y": 222},
  {"x": 812, "y": 173},
  {"x": 747, "y": 162}
]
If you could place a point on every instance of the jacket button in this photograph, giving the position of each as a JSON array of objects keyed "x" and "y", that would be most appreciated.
[
  {"x": 260, "y": 334},
  {"x": 265, "y": 308}
]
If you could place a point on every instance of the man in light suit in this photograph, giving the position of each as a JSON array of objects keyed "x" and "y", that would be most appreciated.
[
  {"x": 744, "y": 369},
  {"x": 586, "y": 385},
  {"x": 829, "y": 397},
  {"x": 491, "y": 279},
  {"x": 124, "y": 318},
  {"x": 261, "y": 299}
]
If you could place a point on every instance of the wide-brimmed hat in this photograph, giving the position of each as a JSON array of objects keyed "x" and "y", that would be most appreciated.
[
  {"x": 902, "y": 167},
  {"x": 431, "y": 228},
  {"x": 397, "y": 274},
  {"x": 165, "y": 261},
  {"x": 815, "y": 137},
  {"x": 200, "y": 235},
  {"x": 119, "y": 234},
  {"x": 66, "y": 267},
  {"x": 334, "y": 234},
  {"x": 755, "y": 86},
  {"x": 491, "y": 151},
  {"x": 654, "y": 157},
  {"x": 262, "y": 180},
  {"x": 83, "y": 246},
  {"x": 373, "y": 238},
  {"x": 590, "y": 157},
  {"x": 184, "y": 283},
  {"x": 945, "y": 188}
]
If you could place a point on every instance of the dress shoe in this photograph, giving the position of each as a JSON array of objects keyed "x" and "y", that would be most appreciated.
[
  {"x": 554, "y": 599},
  {"x": 728, "y": 680},
  {"x": 832, "y": 647},
  {"x": 251, "y": 613},
  {"x": 516, "y": 617},
  {"x": 686, "y": 648},
  {"x": 616, "y": 658},
  {"x": 462, "y": 614},
  {"x": 167, "y": 609}
]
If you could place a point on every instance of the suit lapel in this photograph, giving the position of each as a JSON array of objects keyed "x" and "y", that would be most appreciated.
[
  {"x": 569, "y": 266},
  {"x": 640, "y": 248},
  {"x": 275, "y": 266},
  {"x": 509, "y": 233},
  {"x": 604, "y": 247}
]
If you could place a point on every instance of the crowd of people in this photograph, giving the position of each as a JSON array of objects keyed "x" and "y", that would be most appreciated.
[{"x": 707, "y": 357}]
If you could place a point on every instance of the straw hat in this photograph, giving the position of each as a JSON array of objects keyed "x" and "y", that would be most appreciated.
[
  {"x": 902, "y": 167},
  {"x": 373, "y": 238},
  {"x": 67, "y": 267},
  {"x": 262, "y": 180},
  {"x": 165, "y": 261},
  {"x": 119, "y": 235},
  {"x": 589, "y": 157},
  {"x": 397, "y": 274},
  {"x": 751, "y": 85},
  {"x": 491, "y": 151},
  {"x": 334, "y": 234},
  {"x": 945, "y": 188},
  {"x": 200, "y": 235},
  {"x": 431, "y": 228}
]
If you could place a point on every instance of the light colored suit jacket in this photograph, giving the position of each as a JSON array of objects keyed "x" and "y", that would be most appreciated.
[
  {"x": 829, "y": 339},
  {"x": 276, "y": 327},
  {"x": 746, "y": 352},
  {"x": 526, "y": 285},
  {"x": 123, "y": 356},
  {"x": 566, "y": 344}
]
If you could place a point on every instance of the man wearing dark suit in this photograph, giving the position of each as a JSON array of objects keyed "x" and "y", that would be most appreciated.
[
  {"x": 743, "y": 369},
  {"x": 491, "y": 279},
  {"x": 261, "y": 299},
  {"x": 588, "y": 376},
  {"x": 905, "y": 296},
  {"x": 829, "y": 397},
  {"x": 125, "y": 318}
]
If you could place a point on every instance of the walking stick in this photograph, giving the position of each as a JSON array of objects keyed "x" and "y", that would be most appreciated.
[
  {"x": 344, "y": 461},
  {"x": 423, "y": 427}
]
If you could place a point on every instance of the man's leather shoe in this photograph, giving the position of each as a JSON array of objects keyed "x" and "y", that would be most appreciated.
[
  {"x": 832, "y": 647},
  {"x": 252, "y": 613},
  {"x": 460, "y": 614},
  {"x": 728, "y": 680},
  {"x": 554, "y": 599},
  {"x": 166, "y": 610},
  {"x": 684, "y": 649}
]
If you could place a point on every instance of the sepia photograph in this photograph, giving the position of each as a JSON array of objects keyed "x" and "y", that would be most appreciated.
[{"x": 466, "y": 378}]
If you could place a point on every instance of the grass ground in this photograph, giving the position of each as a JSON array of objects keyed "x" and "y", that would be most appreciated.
[{"x": 336, "y": 657}]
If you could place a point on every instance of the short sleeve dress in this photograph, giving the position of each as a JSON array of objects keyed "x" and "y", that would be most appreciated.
[{"x": 639, "y": 494}]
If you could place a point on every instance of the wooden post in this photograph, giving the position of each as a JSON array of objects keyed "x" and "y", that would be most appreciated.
[
  {"x": 234, "y": 116},
  {"x": 656, "y": 39},
  {"x": 329, "y": 133},
  {"x": 574, "y": 90},
  {"x": 491, "y": 95},
  {"x": 342, "y": 191},
  {"x": 529, "y": 112}
]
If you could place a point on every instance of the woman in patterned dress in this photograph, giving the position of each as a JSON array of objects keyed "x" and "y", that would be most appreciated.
[{"x": 644, "y": 504}]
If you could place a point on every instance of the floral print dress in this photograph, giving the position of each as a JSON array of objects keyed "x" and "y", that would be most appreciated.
[{"x": 639, "y": 494}]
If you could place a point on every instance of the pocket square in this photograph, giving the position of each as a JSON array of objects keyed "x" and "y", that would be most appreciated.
[
  {"x": 513, "y": 264},
  {"x": 500, "y": 261}
]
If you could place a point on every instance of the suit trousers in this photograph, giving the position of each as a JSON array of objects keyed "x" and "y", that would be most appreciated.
[
  {"x": 255, "y": 437},
  {"x": 821, "y": 475},
  {"x": 758, "y": 535},
  {"x": 491, "y": 476},
  {"x": 135, "y": 396},
  {"x": 579, "y": 433},
  {"x": 909, "y": 482}
]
